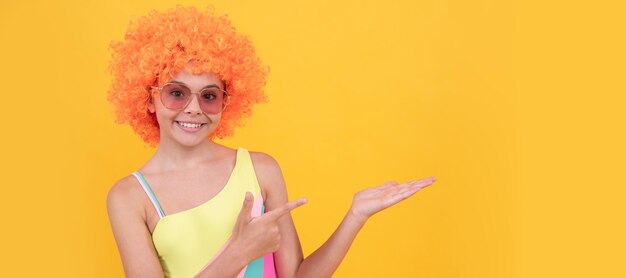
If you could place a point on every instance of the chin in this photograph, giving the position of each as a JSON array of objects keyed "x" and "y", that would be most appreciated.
[{"x": 191, "y": 141}]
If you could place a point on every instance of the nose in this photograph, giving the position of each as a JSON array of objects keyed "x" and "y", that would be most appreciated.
[{"x": 193, "y": 107}]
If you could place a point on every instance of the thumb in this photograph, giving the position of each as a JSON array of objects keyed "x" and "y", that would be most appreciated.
[{"x": 244, "y": 214}]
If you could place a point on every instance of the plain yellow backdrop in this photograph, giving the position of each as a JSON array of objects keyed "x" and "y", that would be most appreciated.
[{"x": 516, "y": 107}]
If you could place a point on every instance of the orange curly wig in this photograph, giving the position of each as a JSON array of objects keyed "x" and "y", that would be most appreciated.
[{"x": 161, "y": 44}]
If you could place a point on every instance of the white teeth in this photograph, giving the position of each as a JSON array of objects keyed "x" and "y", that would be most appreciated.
[{"x": 189, "y": 125}]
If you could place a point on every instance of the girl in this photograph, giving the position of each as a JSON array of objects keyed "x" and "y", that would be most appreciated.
[{"x": 197, "y": 208}]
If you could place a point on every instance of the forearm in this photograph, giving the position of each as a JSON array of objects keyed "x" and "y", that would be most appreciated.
[
  {"x": 326, "y": 259},
  {"x": 226, "y": 265}
]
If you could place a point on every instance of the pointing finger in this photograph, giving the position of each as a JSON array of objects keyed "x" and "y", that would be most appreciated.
[{"x": 286, "y": 208}]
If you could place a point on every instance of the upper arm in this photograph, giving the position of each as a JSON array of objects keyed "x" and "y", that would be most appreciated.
[
  {"x": 289, "y": 255},
  {"x": 131, "y": 233}
]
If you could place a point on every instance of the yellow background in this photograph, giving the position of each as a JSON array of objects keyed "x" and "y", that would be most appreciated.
[{"x": 516, "y": 107}]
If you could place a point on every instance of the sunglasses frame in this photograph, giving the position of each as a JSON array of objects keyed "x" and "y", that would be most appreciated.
[{"x": 225, "y": 100}]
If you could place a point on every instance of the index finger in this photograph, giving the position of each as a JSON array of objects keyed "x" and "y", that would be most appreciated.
[{"x": 286, "y": 208}]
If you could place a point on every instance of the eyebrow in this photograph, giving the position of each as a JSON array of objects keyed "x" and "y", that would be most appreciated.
[{"x": 207, "y": 86}]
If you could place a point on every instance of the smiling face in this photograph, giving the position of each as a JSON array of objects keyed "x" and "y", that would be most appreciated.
[{"x": 189, "y": 125}]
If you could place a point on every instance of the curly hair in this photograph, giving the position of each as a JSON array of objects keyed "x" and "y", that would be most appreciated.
[{"x": 163, "y": 43}]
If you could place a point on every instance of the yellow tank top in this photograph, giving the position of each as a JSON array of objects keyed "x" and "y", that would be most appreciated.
[{"x": 186, "y": 241}]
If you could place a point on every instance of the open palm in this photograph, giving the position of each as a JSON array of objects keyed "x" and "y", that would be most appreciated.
[{"x": 372, "y": 200}]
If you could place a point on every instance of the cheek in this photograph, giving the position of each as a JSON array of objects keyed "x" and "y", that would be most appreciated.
[
  {"x": 163, "y": 115},
  {"x": 215, "y": 120}
]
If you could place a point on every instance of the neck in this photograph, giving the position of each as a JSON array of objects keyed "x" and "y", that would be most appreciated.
[{"x": 170, "y": 156}]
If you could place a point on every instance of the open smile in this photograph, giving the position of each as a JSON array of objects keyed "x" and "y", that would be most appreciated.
[{"x": 190, "y": 126}]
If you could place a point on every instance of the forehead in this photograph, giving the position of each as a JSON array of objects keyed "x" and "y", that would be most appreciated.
[{"x": 196, "y": 81}]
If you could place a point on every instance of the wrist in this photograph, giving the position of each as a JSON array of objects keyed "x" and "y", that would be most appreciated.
[
  {"x": 229, "y": 263},
  {"x": 237, "y": 253},
  {"x": 355, "y": 217}
]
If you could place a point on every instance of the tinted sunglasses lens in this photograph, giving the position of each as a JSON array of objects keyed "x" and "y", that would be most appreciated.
[
  {"x": 211, "y": 100},
  {"x": 174, "y": 96}
]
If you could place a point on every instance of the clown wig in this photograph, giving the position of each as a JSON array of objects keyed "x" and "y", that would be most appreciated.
[{"x": 160, "y": 44}]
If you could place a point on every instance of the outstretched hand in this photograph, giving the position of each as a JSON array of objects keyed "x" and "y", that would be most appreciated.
[{"x": 372, "y": 200}]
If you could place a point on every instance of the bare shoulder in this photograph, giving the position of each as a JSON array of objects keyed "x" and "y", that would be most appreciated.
[
  {"x": 269, "y": 175},
  {"x": 265, "y": 166},
  {"x": 124, "y": 195},
  {"x": 263, "y": 160},
  {"x": 131, "y": 233}
]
